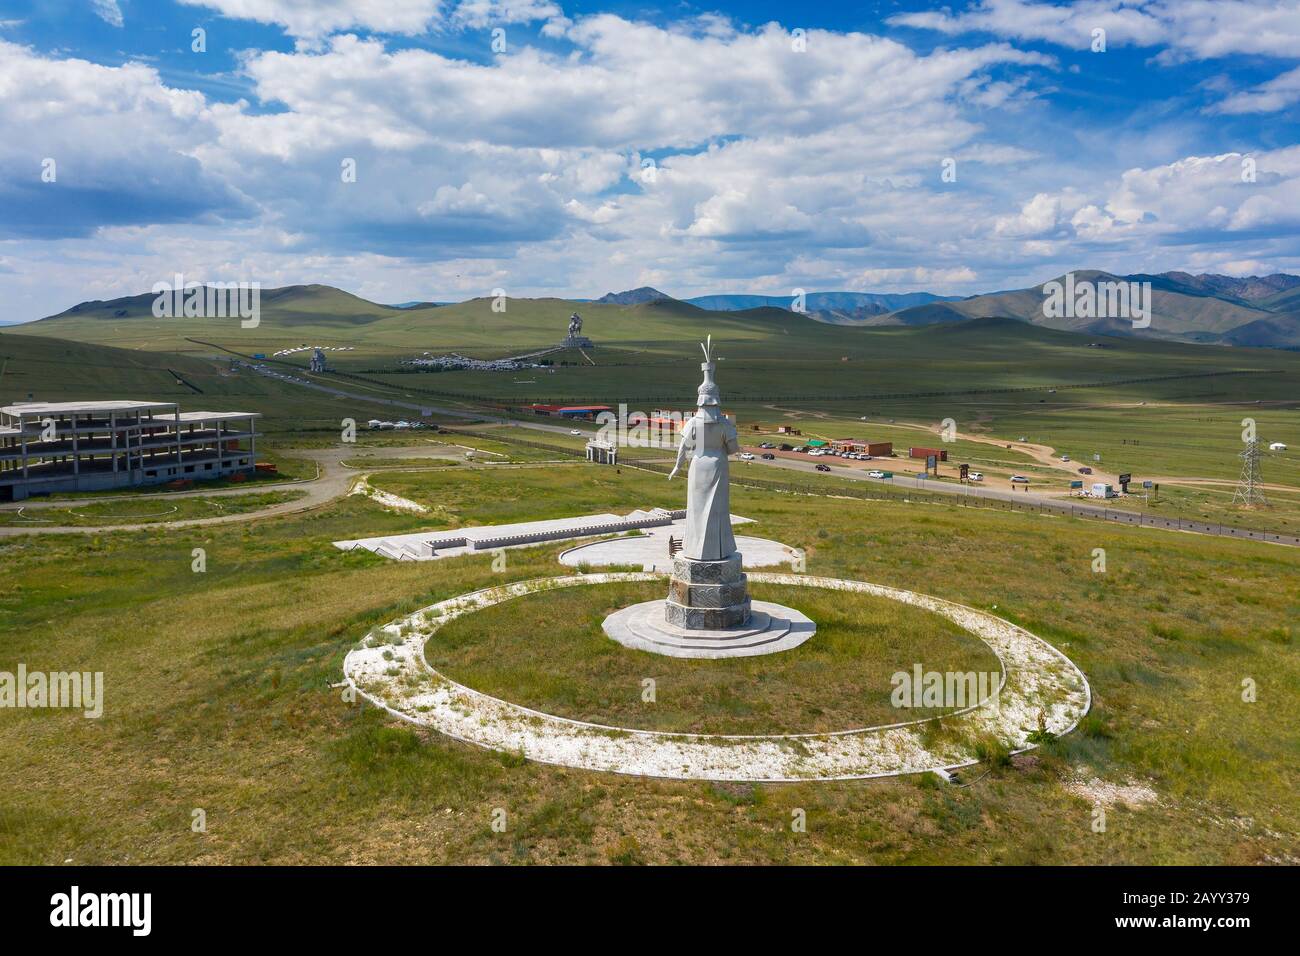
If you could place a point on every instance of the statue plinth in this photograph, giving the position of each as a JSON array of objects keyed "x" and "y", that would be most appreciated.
[{"x": 707, "y": 594}]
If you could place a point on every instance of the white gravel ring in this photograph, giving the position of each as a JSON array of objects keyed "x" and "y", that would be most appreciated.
[{"x": 388, "y": 669}]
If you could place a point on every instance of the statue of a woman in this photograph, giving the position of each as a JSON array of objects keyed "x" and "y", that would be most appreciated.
[{"x": 708, "y": 438}]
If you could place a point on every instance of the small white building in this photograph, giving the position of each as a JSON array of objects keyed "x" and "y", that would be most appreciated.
[{"x": 602, "y": 452}]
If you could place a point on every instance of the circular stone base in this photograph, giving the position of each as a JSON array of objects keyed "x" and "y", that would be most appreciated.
[{"x": 771, "y": 628}]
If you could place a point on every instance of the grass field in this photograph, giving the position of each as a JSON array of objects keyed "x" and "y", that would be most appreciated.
[
  {"x": 146, "y": 511},
  {"x": 218, "y": 698},
  {"x": 549, "y": 653}
]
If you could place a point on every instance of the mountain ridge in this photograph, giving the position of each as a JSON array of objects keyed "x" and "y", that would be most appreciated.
[{"x": 1255, "y": 311}]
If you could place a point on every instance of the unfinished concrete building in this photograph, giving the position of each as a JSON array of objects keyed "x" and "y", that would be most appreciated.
[{"x": 50, "y": 447}]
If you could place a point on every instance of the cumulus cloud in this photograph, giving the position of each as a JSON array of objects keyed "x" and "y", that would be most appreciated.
[
  {"x": 1194, "y": 29},
  {"x": 694, "y": 156},
  {"x": 84, "y": 145},
  {"x": 315, "y": 18}
]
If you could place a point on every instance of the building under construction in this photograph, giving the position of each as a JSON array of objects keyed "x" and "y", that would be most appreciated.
[{"x": 48, "y": 447}]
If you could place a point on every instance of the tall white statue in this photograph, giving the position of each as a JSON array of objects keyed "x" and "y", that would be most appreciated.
[
  {"x": 707, "y": 438},
  {"x": 708, "y": 612}
]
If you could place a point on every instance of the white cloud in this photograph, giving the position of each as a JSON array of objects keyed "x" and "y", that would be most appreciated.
[
  {"x": 774, "y": 169},
  {"x": 1194, "y": 29},
  {"x": 108, "y": 11},
  {"x": 316, "y": 18},
  {"x": 1278, "y": 93},
  {"x": 478, "y": 14}
]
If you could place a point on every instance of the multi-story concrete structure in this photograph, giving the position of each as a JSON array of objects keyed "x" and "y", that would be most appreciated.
[{"x": 90, "y": 446}]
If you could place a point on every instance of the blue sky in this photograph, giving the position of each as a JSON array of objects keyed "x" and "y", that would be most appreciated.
[{"x": 757, "y": 147}]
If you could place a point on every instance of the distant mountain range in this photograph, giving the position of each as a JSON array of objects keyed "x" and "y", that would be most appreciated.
[
  {"x": 834, "y": 308},
  {"x": 1220, "y": 310},
  {"x": 1259, "y": 311},
  {"x": 1255, "y": 311}
]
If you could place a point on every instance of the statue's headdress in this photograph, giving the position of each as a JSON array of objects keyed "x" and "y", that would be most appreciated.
[{"x": 708, "y": 393}]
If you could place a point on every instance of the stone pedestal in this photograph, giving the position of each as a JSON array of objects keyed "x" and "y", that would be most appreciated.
[
  {"x": 708, "y": 614},
  {"x": 707, "y": 595}
]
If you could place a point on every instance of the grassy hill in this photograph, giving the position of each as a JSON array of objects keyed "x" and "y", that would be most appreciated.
[
  {"x": 321, "y": 315},
  {"x": 1186, "y": 308},
  {"x": 649, "y": 351},
  {"x": 46, "y": 369}
]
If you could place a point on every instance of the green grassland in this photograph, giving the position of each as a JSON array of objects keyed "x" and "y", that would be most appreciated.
[
  {"x": 218, "y": 696},
  {"x": 148, "y": 510},
  {"x": 1188, "y": 422},
  {"x": 55, "y": 370},
  {"x": 549, "y": 653}
]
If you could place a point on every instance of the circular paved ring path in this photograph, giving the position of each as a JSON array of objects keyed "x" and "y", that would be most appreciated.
[{"x": 1036, "y": 677}]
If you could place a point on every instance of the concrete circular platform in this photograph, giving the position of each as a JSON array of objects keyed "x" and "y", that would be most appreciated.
[
  {"x": 772, "y": 628},
  {"x": 389, "y": 670}
]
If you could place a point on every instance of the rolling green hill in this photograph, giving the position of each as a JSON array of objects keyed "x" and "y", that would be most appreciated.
[
  {"x": 649, "y": 349},
  {"x": 320, "y": 315},
  {"x": 47, "y": 369},
  {"x": 1199, "y": 309}
]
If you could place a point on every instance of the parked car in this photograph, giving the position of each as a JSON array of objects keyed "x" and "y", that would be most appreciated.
[
  {"x": 785, "y": 448},
  {"x": 1085, "y": 471},
  {"x": 574, "y": 431},
  {"x": 746, "y": 456},
  {"x": 1019, "y": 480},
  {"x": 821, "y": 467},
  {"x": 768, "y": 456},
  {"x": 1065, "y": 458},
  {"x": 875, "y": 473},
  {"x": 975, "y": 476},
  {"x": 766, "y": 444}
]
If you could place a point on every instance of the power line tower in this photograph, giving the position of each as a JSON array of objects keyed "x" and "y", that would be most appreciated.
[{"x": 1250, "y": 489}]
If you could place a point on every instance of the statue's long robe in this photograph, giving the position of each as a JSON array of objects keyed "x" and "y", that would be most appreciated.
[{"x": 708, "y": 500}]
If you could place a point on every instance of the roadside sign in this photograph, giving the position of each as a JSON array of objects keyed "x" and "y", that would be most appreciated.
[
  {"x": 1125, "y": 478},
  {"x": 1146, "y": 484}
]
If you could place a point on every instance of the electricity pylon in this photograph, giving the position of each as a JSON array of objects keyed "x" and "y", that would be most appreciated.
[{"x": 1250, "y": 489}]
